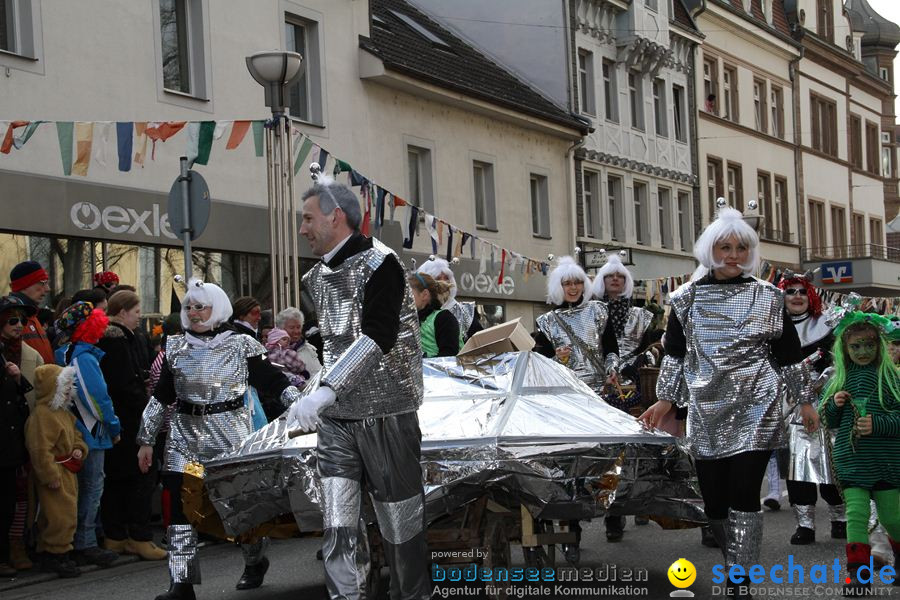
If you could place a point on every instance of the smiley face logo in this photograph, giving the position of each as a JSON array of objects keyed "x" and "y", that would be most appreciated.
[{"x": 682, "y": 573}]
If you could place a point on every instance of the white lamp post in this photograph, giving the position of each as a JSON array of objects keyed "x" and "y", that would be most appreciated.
[{"x": 276, "y": 70}]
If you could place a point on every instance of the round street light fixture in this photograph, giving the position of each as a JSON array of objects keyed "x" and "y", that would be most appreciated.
[{"x": 275, "y": 70}]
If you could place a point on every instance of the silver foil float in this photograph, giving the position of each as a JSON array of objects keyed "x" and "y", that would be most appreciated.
[{"x": 517, "y": 427}]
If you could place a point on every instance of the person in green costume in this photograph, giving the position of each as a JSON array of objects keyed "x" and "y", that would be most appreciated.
[
  {"x": 862, "y": 402},
  {"x": 439, "y": 329}
]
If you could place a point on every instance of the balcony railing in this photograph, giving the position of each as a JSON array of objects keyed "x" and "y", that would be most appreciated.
[
  {"x": 773, "y": 235},
  {"x": 856, "y": 251}
]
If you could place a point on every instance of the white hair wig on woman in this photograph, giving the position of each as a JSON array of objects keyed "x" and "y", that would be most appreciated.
[
  {"x": 207, "y": 294},
  {"x": 434, "y": 268},
  {"x": 566, "y": 270},
  {"x": 613, "y": 265},
  {"x": 729, "y": 222}
]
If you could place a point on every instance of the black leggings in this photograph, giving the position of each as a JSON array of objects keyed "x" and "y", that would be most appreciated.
[
  {"x": 732, "y": 483},
  {"x": 804, "y": 492},
  {"x": 172, "y": 481}
]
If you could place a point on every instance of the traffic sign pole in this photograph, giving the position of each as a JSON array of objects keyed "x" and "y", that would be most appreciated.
[{"x": 184, "y": 181}]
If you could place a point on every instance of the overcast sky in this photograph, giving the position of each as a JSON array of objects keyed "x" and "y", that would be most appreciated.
[{"x": 890, "y": 9}]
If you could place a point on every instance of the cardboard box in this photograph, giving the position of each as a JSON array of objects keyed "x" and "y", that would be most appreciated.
[{"x": 506, "y": 337}]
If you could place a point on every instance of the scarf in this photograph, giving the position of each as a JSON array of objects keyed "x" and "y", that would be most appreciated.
[{"x": 618, "y": 313}]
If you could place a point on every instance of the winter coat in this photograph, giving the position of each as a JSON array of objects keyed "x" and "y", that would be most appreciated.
[
  {"x": 51, "y": 431},
  {"x": 13, "y": 413},
  {"x": 96, "y": 416},
  {"x": 33, "y": 334},
  {"x": 125, "y": 373}
]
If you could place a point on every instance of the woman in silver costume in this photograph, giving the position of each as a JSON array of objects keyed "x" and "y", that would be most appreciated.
[
  {"x": 578, "y": 333},
  {"x": 206, "y": 373},
  {"x": 731, "y": 353},
  {"x": 809, "y": 453}
]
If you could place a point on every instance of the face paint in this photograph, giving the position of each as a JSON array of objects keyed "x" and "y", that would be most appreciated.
[{"x": 862, "y": 348}]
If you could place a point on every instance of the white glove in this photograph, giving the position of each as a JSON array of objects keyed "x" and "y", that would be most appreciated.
[{"x": 305, "y": 411}]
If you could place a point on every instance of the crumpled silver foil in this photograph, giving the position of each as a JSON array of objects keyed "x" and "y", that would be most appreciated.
[{"x": 517, "y": 427}]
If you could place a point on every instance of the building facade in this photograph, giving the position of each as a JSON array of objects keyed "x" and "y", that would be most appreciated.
[
  {"x": 745, "y": 96},
  {"x": 493, "y": 163}
]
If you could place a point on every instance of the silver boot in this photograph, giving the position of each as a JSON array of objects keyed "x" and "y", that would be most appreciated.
[{"x": 184, "y": 567}]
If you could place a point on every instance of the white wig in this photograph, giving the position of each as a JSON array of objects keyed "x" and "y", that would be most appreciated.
[
  {"x": 207, "y": 294},
  {"x": 566, "y": 270},
  {"x": 613, "y": 265},
  {"x": 434, "y": 268},
  {"x": 729, "y": 222}
]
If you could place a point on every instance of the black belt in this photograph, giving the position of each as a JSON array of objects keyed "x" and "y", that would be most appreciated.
[{"x": 199, "y": 410}]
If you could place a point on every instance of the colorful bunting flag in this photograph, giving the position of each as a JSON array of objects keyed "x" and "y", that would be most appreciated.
[
  {"x": 124, "y": 140},
  {"x": 238, "y": 131}
]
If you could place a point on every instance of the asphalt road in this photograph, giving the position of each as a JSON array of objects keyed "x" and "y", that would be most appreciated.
[{"x": 648, "y": 551}]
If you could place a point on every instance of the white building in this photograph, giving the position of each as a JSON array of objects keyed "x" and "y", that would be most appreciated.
[{"x": 385, "y": 89}]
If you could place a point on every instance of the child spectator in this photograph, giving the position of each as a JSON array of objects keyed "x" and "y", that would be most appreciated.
[
  {"x": 862, "y": 402},
  {"x": 96, "y": 421},
  {"x": 286, "y": 359},
  {"x": 57, "y": 451}
]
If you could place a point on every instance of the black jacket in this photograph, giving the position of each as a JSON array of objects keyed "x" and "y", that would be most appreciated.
[
  {"x": 13, "y": 413},
  {"x": 126, "y": 375},
  {"x": 446, "y": 330}
]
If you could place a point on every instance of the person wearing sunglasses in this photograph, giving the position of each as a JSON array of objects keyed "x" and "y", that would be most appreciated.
[
  {"x": 206, "y": 375},
  {"x": 30, "y": 283},
  {"x": 809, "y": 464},
  {"x": 17, "y": 367}
]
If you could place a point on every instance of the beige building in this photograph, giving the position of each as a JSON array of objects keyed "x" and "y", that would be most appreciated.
[
  {"x": 746, "y": 127},
  {"x": 845, "y": 109},
  {"x": 385, "y": 88}
]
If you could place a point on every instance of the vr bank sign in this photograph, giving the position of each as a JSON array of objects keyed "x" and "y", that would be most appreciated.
[{"x": 837, "y": 272}]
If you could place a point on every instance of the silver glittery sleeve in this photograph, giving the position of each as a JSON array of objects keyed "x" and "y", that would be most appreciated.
[
  {"x": 151, "y": 421},
  {"x": 799, "y": 381},
  {"x": 612, "y": 363},
  {"x": 353, "y": 365},
  {"x": 670, "y": 385},
  {"x": 289, "y": 396}
]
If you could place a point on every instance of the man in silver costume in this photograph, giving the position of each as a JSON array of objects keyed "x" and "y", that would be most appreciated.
[
  {"x": 364, "y": 410},
  {"x": 731, "y": 355},
  {"x": 578, "y": 333},
  {"x": 810, "y": 462},
  {"x": 205, "y": 374},
  {"x": 439, "y": 269}
]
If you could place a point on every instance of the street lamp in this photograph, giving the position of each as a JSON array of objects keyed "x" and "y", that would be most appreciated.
[{"x": 276, "y": 70}]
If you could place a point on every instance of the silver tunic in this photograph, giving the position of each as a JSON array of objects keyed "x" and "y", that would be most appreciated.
[
  {"x": 464, "y": 313},
  {"x": 731, "y": 385},
  {"x": 810, "y": 457},
  {"x": 638, "y": 322},
  {"x": 367, "y": 382},
  {"x": 203, "y": 373},
  {"x": 581, "y": 329}
]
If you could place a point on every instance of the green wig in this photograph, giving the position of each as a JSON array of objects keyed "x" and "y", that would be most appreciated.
[{"x": 887, "y": 373}]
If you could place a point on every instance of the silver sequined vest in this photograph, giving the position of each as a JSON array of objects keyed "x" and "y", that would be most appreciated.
[
  {"x": 638, "y": 322},
  {"x": 581, "y": 329},
  {"x": 733, "y": 386},
  {"x": 213, "y": 373},
  {"x": 465, "y": 314},
  {"x": 367, "y": 382}
]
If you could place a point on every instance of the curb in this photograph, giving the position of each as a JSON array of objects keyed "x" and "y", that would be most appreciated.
[{"x": 34, "y": 576}]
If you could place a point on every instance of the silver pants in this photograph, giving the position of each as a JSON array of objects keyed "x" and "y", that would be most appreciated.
[
  {"x": 384, "y": 454},
  {"x": 184, "y": 566},
  {"x": 744, "y": 538}
]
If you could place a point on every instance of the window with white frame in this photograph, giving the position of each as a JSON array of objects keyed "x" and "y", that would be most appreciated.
[
  {"x": 586, "y": 81},
  {"x": 759, "y": 104},
  {"x": 614, "y": 205},
  {"x": 776, "y": 105},
  {"x": 485, "y": 205},
  {"x": 305, "y": 96},
  {"x": 710, "y": 84},
  {"x": 886, "y": 167},
  {"x": 876, "y": 232},
  {"x": 591, "y": 195},
  {"x": 715, "y": 188},
  {"x": 421, "y": 189},
  {"x": 780, "y": 208},
  {"x": 764, "y": 202},
  {"x": 735, "y": 187},
  {"x": 610, "y": 91},
  {"x": 685, "y": 222},
  {"x": 183, "y": 49},
  {"x": 17, "y": 28},
  {"x": 730, "y": 93},
  {"x": 659, "y": 107},
  {"x": 678, "y": 114},
  {"x": 664, "y": 214},
  {"x": 636, "y": 99},
  {"x": 884, "y": 73},
  {"x": 641, "y": 228},
  {"x": 540, "y": 206}
]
